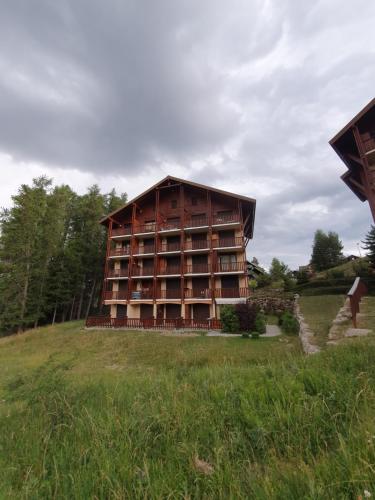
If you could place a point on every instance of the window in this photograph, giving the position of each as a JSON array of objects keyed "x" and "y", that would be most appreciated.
[
  {"x": 173, "y": 203},
  {"x": 194, "y": 201}
]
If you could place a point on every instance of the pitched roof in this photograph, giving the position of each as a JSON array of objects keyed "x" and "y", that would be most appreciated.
[
  {"x": 177, "y": 179},
  {"x": 353, "y": 121}
]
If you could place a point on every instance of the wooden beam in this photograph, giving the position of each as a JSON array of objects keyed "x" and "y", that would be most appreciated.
[{"x": 355, "y": 158}]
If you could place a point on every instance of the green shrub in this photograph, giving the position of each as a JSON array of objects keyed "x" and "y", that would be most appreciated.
[
  {"x": 260, "y": 323},
  {"x": 255, "y": 335},
  {"x": 229, "y": 319},
  {"x": 245, "y": 335},
  {"x": 289, "y": 324}
]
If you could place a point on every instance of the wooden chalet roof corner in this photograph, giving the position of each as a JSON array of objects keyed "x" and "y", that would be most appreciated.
[
  {"x": 105, "y": 219},
  {"x": 353, "y": 145}
]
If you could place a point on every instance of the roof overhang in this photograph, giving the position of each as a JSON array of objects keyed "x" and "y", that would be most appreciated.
[{"x": 249, "y": 202}]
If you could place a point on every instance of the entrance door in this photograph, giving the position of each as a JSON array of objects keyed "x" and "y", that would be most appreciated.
[
  {"x": 227, "y": 238},
  {"x": 200, "y": 288},
  {"x": 173, "y": 243},
  {"x": 172, "y": 311},
  {"x": 200, "y": 263},
  {"x": 229, "y": 282},
  {"x": 199, "y": 240},
  {"x": 121, "y": 311},
  {"x": 229, "y": 286},
  {"x": 173, "y": 288},
  {"x": 201, "y": 311},
  {"x": 146, "y": 311}
]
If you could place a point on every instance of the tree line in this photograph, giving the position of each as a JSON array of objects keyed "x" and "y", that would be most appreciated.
[{"x": 52, "y": 254}]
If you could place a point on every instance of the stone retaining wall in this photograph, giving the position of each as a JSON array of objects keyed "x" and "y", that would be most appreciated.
[{"x": 305, "y": 333}]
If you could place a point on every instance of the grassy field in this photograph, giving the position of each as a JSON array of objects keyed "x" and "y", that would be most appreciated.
[
  {"x": 367, "y": 308},
  {"x": 97, "y": 414},
  {"x": 319, "y": 312}
]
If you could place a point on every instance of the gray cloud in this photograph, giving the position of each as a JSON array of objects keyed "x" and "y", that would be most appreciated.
[{"x": 244, "y": 95}]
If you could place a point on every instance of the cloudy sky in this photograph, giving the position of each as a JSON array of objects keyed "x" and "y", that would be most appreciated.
[{"x": 242, "y": 95}]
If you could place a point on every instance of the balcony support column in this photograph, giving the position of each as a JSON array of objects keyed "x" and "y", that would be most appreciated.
[
  {"x": 108, "y": 250},
  {"x": 182, "y": 246},
  {"x": 212, "y": 262}
]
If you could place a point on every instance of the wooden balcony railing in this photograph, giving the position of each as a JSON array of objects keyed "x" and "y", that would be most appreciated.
[
  {"x": 227, "y": 242},
  {"x": 196, "y": 221},
  {"x": 153, "y": 323},
  {"x": 368, "y": 140},
  {"x": 231, "y": 293},
  {"x": 194, "y": 293},
  {"x": 197, "y": 268},
  {"x": 228, "y": 267},
  {"x": 119, "y": 295},
  {"x": 145, "y": 249},
  {"x": 168, "y": 226},
  {"x": 198, "y": 293},
  {"x": 170, "y": 247},
  {"x": 142, "y": 271},
  {"x": 225, "y": 218},
  {"x": 118, "y": 273},
  {"x": 117, "y": 252},
  {"x": 355, "y": 294},
  {"x": 121, "y": 231},
  {"x": 197, "y": 245},
  {"x": 169, "y": 294},
  {"x": 170, "y": 270},
  {"x": 145, "y": 228},
  {"x": 141, "y": 295}
]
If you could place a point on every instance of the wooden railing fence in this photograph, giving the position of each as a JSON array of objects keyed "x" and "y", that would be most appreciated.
[{"x": 355, "y": 294}]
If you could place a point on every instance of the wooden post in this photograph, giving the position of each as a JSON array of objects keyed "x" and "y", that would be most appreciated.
[{"x": 106, "y": 265}]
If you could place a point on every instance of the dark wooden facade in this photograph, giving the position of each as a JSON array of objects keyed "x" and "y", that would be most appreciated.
[
  {"x": 177, "y": 251},
  {"x": 355, "y": 144}
]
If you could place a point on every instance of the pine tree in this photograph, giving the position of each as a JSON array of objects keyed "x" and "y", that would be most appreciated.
[
  {"x": 52, "y": 251},
  {"x": 327, "y": 250},
  {"x": 369, "y": 244}
]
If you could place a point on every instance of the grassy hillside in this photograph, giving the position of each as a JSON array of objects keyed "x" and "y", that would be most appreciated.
[
  {"x": 137, "y": 415},
  {"x": 348, "y": 269}
]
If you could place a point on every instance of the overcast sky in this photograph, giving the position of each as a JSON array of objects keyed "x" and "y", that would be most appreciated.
[{"x": 240, "y": 95}]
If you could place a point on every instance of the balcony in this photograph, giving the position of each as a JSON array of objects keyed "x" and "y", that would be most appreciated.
[
  {"x": 140, "y": 229},
  {"x": 230, "y": 267},
  {"x": 170, "y": 270},
  {"x": 234, "y": 242},
  {"x": 170, "y": 247},
  {"x": 142, "y": 271},
  {"x": 118, "y": 295},
  {"x": 142, "y": 295},
  {"x": 146, "y": 249},
  {"x": 225, "y": 220},
  {"x": 118, "y": 273},
  {"x": 196, "y": 245},
  {"x": 169, "y": 294},
  {"x": 119, "y": 252},
  {"x": 121, "y": 232},
  {"x": 198, "y": 293},
  {"x": 231, "y": 293},
  {"x": 195, "y": 222},
  {"x": 198, "y": 269},
  {"x": 170, "y": 226}
]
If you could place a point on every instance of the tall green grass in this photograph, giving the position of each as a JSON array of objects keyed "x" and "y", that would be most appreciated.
[
  {"x": 319, "y": 312},
  {"x": 286, "y": 428}
]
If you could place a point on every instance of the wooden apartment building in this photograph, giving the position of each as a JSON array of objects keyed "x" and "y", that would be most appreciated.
[
  {"x": 355, "y": 145},
  {"x": 178, "y": 251}
]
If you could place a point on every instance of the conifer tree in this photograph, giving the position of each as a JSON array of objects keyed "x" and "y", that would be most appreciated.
[
  {"x": 327, "y": 250},
  {"x": 52, "y": 251},
  {"x": 369, "y": 244}
]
